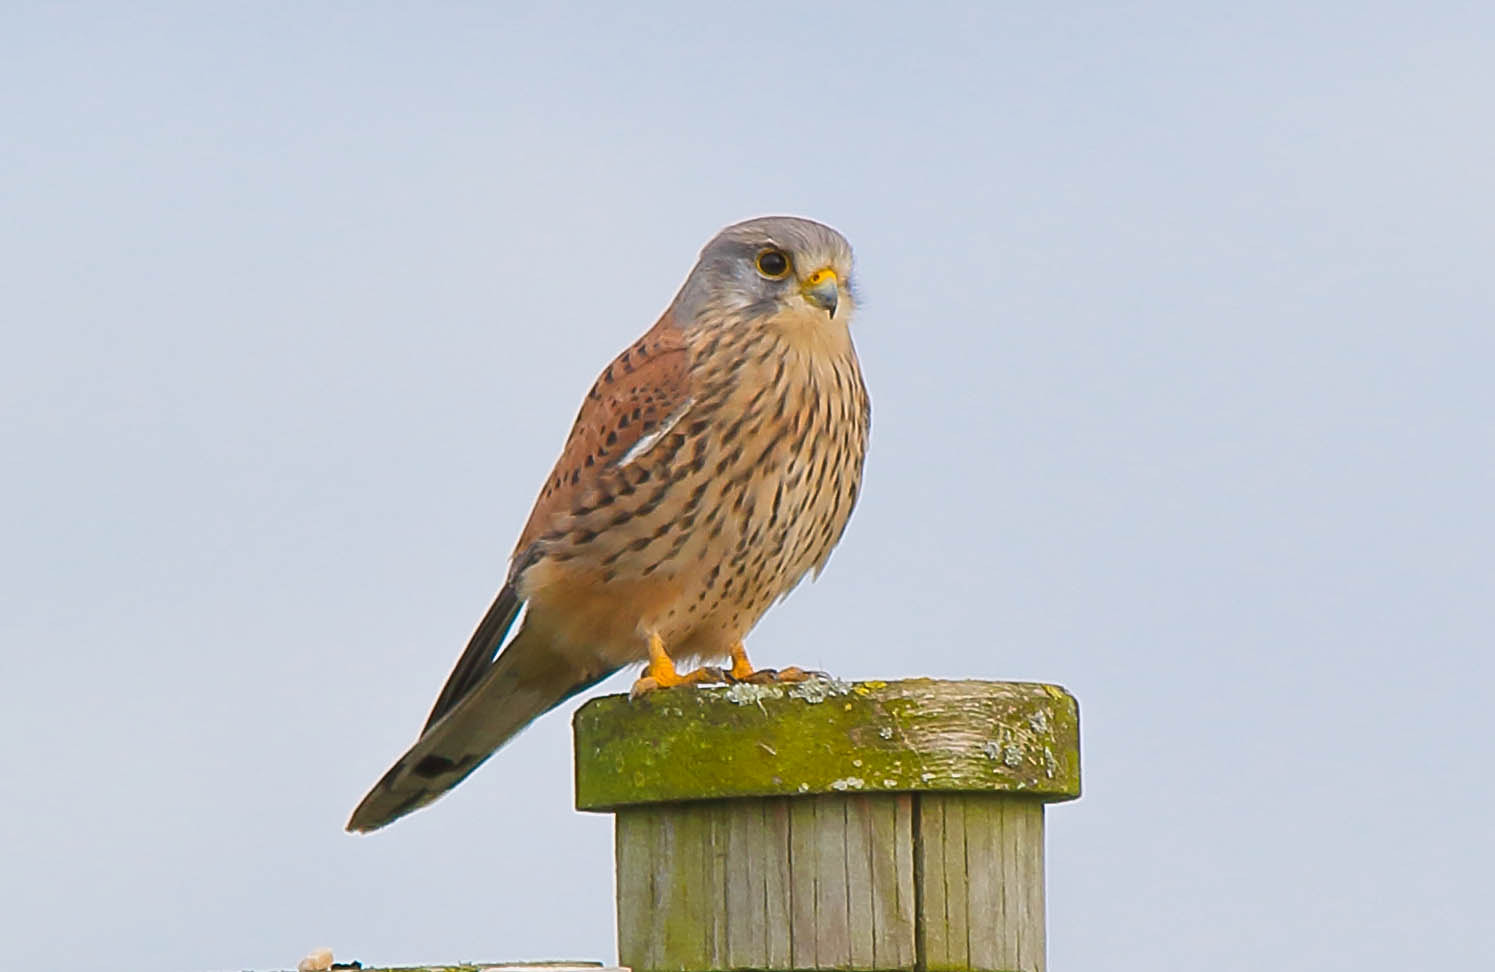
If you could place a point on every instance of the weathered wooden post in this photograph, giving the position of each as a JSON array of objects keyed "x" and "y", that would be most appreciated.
[{"x": 827, "y": 825}]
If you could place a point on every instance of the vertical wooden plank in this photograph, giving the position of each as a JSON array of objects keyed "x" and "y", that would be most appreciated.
[
  {"x": 860, "y": 851},
  {"x": 1009, "y": 869},
  {"x": 903, "y": 953},
  {"x": 660, "y": 878},
  {"x": 802, "y": 892},
  {"x": 633, "y": 836},
  {"x": 747, "y": 859},
  {"x": 929, "y": 848},
  {"x": 956, "y": 907},
  {"x": 713, "y": 905},
  {"x": 886, "y": 826},
  {"x": 1012, "y": 876},
  {"x": 682, "y": 879},
  {"x": 1038, "y": 919},
  {"x": 661, "y": 881},
  {"x": 776, "y": 884},
  {"x": 832, "y": 920},
  {"x": 985, "y": 917},
  {"x": 1027, "y": 847},
  {"x": 881, "y": 824}
]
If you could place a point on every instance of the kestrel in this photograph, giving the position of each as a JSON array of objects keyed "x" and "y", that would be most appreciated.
[{"x": 713, "y": 464}]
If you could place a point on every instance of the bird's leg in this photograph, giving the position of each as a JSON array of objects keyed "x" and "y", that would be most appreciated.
[
  {"x": 742, "y": 670},
  {"x": 660, "y": 672}
]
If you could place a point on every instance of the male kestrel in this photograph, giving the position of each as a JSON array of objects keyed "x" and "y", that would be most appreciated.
[{"x": 714, "y": 463}]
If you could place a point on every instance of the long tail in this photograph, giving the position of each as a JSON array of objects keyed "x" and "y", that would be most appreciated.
[{"x": 485, "y": 701}]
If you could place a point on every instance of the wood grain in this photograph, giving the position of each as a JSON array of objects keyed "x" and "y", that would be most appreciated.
[
  {"x": 775, "y": 884},
  {"x": 980, "y": 858}
]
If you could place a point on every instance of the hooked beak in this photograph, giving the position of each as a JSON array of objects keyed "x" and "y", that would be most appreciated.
[{"x": 822, "y": 289}]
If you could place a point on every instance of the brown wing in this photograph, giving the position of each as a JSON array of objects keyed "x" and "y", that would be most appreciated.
[
  {"x": 643, "y": 387},
  {"x": 640, "y": 389}
]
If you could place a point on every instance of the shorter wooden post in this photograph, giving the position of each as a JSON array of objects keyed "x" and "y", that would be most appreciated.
[{"x": 827, "y": 825}]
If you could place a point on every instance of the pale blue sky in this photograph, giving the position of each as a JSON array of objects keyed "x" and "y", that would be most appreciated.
[{"x": 1179, "y": 326}]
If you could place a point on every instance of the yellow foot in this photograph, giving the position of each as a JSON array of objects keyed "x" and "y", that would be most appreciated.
[
  {"x": 742, "y": 671},
  {"x": 661, "y": 673}
]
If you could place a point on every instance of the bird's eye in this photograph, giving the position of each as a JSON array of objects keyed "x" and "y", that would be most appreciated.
[{"x": 773, "y": 264}]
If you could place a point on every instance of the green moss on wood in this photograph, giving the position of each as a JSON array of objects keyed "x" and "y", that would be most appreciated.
[
  {"x": 474, "y": 967},
  {"x": 827, "y": 736}
]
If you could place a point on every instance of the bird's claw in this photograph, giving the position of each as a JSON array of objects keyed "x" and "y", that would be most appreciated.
[
  {"x": 705, "y": 675},
  {"x": 778, "y": 676}
]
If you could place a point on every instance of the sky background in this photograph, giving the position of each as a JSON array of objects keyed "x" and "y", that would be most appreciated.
[{"x": 1179, "y": 325}]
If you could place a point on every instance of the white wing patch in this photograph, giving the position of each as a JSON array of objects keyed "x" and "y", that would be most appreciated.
[{"x": 651, "y": 440}]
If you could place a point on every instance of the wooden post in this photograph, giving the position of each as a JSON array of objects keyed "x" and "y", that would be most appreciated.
[{"x": 828, "y": 825}]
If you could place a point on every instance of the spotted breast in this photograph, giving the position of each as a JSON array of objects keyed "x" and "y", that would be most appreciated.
[{"x": 723, "y": 504}]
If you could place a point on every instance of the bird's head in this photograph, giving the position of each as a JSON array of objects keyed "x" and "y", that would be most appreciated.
[{"x": 793, "y": 271}]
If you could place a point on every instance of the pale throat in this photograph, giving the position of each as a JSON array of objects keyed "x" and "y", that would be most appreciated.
[{"x": 811, "y": 331}]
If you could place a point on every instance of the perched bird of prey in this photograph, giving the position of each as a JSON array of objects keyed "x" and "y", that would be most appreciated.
[{"x": 713, "y": 464}]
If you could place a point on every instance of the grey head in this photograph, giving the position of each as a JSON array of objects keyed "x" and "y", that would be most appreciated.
[{"x": 766, "y": 265}]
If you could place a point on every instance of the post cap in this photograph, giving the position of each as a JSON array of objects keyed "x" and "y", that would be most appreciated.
[{"x": 828, "y": 736}]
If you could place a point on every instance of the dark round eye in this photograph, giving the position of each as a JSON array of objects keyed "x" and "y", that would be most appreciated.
[{"x": 773, "y": 263}]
